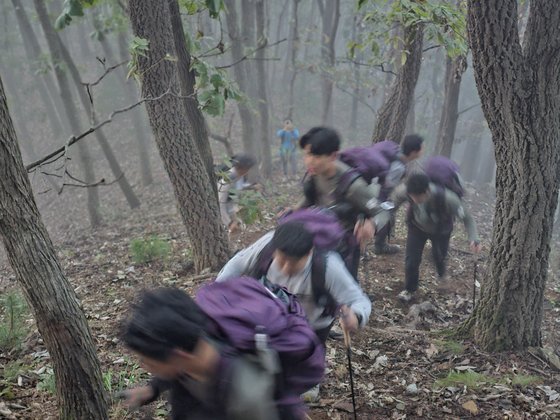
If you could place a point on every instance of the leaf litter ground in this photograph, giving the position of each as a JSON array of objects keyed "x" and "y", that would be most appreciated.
[{"x": 405, "y": 366}]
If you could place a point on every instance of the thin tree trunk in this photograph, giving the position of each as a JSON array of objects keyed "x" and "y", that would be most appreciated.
[
  {"x": 245, "y": 113},
  {"x": 263, "y": 98},
  {"x": 391, "y": 119},
  {"x": 330, "y": 12},
  {"x": 520, "y": 98},
  {"x": 60, "y": 320},
  {"x": 70, "y": 111},
  {"x": 138, "y": 117},
  {"x": 454, "y": 70},
  {"x": 195, "y": 196},
  {"x": 114, "y": 164},
  {"x": 33, "y": 54},
  {"x": 272, "y": 81},
  {"x": 187, "y": 81},
  {"x": 291, "y": 68},
  {"x": 353, "y": 127}
]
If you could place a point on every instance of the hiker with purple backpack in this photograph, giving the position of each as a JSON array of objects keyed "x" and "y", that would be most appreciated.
[
  {"x": 330, "y": 183},
  {"x": 241, "y": 351},
  {"x": 288, "y": 257},
  {"x": 435, "y": 202},
  {"x": 386, "y": 162}
]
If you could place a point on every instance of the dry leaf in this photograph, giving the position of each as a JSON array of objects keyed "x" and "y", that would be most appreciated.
[{"x": 471, "y": 407}]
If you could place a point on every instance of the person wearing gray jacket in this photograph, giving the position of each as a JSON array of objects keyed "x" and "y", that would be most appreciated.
[{"x": 291, "y": 267}]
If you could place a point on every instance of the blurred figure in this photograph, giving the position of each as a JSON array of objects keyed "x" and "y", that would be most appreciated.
[{"x": 289, "y": 136}]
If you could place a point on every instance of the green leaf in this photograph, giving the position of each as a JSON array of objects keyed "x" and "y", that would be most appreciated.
[
  {"x": 214, "y": 7},
  {"x": 212, "y": 102}
]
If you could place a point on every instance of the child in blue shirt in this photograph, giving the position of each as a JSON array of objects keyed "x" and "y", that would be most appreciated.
[{"x": 289, "y": 136}]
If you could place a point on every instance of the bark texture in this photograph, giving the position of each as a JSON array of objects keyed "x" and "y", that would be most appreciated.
[
  {"x": 519, "y": 87},
  {"x": 391, "y": 119},
  {"x": 187, "y": 81},
  {"x": 454, "y": 69},
  {"x": 195, "y": 196},
  {"x": 60, "y": 319}
]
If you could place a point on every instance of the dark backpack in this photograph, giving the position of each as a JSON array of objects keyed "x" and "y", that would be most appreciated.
[
  {"x": 328, "y": 235},
  {"x": 371, "y": 161},
  {"x": 445, "y": 173},
  {"x": 244, "y": 312}
]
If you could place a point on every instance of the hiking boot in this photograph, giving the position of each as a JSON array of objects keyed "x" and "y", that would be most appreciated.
[
  {"x": 405, "y": 296},
  {"x": 386, "y": 249},
  {"x": 311, "y": 396}
]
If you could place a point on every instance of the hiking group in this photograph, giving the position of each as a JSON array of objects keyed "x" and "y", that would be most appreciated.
[{"x": 251, "y": 344}]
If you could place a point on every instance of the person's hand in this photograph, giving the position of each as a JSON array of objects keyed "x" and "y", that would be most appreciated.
[
  {"x": 284, "y": 212},
  {"x": 234, "y": 227},
  {"x": 135, "y": 397},
  {"x": 364, "y": 230},
  {"x": 348, "y": 319},
  {"x": 475, "y": 247}
]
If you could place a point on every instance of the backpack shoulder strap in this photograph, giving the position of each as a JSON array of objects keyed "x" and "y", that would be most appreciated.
[
  {"x": 344, "y": 183},
  {"x": 262, "y": 263},
  {"x": 321, "y": 295}
]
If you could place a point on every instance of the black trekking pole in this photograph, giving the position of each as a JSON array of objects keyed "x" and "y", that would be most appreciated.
[
  {"x": 475, "y": 270},
  {"x": 349, "y": 355}
]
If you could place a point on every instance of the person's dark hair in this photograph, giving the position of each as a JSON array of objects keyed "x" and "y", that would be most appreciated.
[
  {"x": 163, "y": 320},
  {"x": 412, "y": 143},
  {"x": 417, "y": 184},
  {"x": 323, "y": 141},
  {"x": 292, "y": 239},
  {"x": 243, "y": 161}
]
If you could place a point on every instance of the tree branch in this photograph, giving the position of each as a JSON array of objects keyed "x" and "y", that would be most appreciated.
[
  {"x": 468, "y": 109},
  {"x": 246, "y": 56},
  {"x": 105, "y": 73},
  {"x": 73, "y": 139}
]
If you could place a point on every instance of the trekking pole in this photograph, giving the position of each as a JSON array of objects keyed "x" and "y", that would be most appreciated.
[
  {"x": 349, "y": 355},
  {"x": 475, "y": 272}
]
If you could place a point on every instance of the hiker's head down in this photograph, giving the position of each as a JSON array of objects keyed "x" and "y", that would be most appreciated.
[
  {"x": 243, "y": 163},
  {"x": 418, "y": 188},
  {"x": 320, "y": 146},
  {"x": 293, "y": 245},
  {"x": 412, "y": 147},
  {"x": 166, "y": 331}
]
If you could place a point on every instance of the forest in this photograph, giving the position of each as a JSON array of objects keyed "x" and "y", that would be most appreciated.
[{"x": 155, "y": 154}]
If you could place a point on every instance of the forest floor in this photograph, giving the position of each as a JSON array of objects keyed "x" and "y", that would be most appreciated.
[{"x": 405, "y": 366}]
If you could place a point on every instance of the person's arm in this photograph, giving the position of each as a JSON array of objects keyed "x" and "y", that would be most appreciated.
[
  {"x": 364, "y": 198},
  {"x": 399, "y": 196},
  {"x": 457, "y": 207},
  {"x": 279, "y": 133},
  {"x": 395, "y": 174},
  {"x": 242, "y": 262},
  {"x": 344, "y": 289}
]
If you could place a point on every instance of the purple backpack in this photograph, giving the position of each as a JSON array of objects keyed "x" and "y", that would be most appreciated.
[
  {"x": 444, "y": 172},
  {"x": 371, "y": 161},
  {"x": 327, "y": 231},
  {"x": 243, "y": 307}
]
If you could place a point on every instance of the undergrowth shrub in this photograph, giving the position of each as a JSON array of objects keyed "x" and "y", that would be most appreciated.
[{"x": 149, "y": 249}]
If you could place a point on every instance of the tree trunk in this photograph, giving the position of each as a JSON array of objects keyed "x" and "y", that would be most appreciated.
[
  {"x": 33, "y": 54},
  {"x": 411, "y": 118},
  {"x": 187, "y": 81},
  {"x": 488, "y": 164},
  {"x": 60, "y": 320},
  {"x": 245, "y": 113},
  {"x": 293, "y": 46},
  {"x": 70, "y": 111},
  {"x": 330, "y": 13},
  {"x": 196, "y": 199},
  {"x": 138, "y": 116},
  {"x": 263, "y": 97},
  {"x": 470, "y": 163},
  {"x": 520, "y": 98},
  {"x": 114, "y": 164},
  {"x": 353, "y": 128},
  {"x": 391, "y": 120},
  {"x": 454, "y": 70}
]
